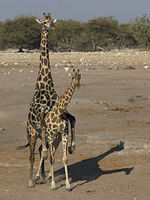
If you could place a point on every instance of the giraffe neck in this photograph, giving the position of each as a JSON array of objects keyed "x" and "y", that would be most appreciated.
[
  {"x": 44, "y": 79},
  {"x": 65, "y": 98},
  {"x": 44, "y": 57}
]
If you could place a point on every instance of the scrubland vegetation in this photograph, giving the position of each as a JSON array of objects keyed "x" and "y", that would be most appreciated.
[{"x": 99, "y": 34}]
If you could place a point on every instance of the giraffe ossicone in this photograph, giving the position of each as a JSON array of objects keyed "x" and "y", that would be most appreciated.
[{"x": 47, "y": 21}]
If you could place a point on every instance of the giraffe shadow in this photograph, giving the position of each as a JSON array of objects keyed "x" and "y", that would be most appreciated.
[{"x": 88, "y": 170}]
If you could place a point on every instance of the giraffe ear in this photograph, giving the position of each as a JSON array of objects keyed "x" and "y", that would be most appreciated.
[
  {"x": 39, "y": 21},
  {"x": 54, "y": 21}
]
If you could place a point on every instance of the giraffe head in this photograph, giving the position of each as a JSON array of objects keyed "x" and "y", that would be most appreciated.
[
  {"x": 76, "y": 76},
  {"x": 47, "y": 22}
]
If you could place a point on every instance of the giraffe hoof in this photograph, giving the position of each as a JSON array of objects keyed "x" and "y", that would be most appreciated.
[
  {"x": 43, "y": 177},
  {"x": 71, "y": 149},
  {"x": 69, "y": 189},
  {"x": 53, "y": 188},
  {"x": 31, "y": 183},
  {"x": 37, "y": 178}
]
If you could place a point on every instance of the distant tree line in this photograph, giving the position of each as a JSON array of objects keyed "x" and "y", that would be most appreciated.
[{"x": 103, "y": 33}]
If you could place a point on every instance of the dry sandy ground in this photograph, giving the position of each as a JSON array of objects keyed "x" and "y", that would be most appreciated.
[{"x": 112, "y": 109}]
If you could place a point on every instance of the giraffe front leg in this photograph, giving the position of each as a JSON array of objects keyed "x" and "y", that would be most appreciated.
[
  {"x": 55, "y": 146},
  {"x": 41, "y": 165},
  {"x": 65, "y": 159}
]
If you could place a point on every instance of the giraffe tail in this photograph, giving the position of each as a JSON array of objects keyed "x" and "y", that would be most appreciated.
[{"x": 22, "y": 147}]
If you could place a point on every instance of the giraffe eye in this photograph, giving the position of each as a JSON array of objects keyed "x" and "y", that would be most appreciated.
[{"x": 44, "y": 22}]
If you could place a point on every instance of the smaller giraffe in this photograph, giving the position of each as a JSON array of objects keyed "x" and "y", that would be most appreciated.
[{"x": 56, "y": 127}]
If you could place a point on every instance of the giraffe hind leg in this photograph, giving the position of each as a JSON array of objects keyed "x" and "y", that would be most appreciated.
[
  {"x": 55, "y": 145},
  {"x": 65, "y": 159},
  {"x": 32, "y": 158},
  {"x": 52, "y": 161}
]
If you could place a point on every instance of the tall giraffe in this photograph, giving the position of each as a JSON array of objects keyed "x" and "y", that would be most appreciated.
[
  {"x": 56, "y": 127},
  {"x": 43, "y": 99}
]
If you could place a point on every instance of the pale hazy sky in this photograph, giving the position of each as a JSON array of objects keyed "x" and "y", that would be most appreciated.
[{"x": 81, "y": 10}]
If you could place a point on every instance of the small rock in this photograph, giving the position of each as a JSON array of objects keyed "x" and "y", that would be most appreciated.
[
  {"x": 66, "y": 68},
  {"x": 6, "y": 191},
  {"x": 98, "y": 102},
  {"x": 146, "y": 67},
  {"x": 131, "y": 99},
  {"x": 2, "y": 129},
  {"x": 137, "y": 98},
  {"x": 129, "y": 68},
  {"x": 119, "y": 54},
  {"x": 116, "y": 68}
]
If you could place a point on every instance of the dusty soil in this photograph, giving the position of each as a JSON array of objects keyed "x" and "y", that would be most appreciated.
[{"x": 112, "y": 109}]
